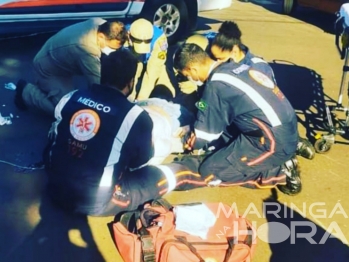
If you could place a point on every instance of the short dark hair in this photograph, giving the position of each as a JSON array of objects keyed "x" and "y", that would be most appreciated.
[
  {"x": 228, "y": 36},
  {"x": 187, "y": 54},
  {"x": 114, "y": 30},
  {"x": 118, "y": 68}
]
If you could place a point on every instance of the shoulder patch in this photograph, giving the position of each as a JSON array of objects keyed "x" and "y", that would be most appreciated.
[
  {"x": 163, "y": 43},
  {"x": 162, "y": 55},
  {"x": 201, "y": 105},
  {"x": 240, "y": 69},
  {"x": 84, "y": 124},
  {"x": 210, "y": 35},
  {"x": 261, "y": 79}
]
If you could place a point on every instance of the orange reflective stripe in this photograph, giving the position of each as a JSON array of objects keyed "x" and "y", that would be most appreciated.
[{"x": 272, "y": 144}]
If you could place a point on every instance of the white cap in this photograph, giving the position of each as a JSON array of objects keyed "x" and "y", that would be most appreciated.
[{"x": 141, "y": 33}]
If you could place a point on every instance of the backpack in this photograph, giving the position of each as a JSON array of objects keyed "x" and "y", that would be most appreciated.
[{"x": 151, "y": 235}]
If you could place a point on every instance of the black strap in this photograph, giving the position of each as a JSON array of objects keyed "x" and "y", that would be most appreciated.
[
  {"x": 231, "y": 243},
  {"x": 148, "y": 216},
  {"x": 163, "y": 203},
  {"x": 249, "y": 237},
  {"x": 191, "y": 247},
  {"x": 129, "y": 219},
  {"x": 147, "y": 245}
]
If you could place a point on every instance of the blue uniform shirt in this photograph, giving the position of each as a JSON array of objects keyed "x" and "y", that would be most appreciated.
[{"x": 245, "y": 97}]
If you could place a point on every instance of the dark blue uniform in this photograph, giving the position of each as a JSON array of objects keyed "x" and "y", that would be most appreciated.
[
  {"x": 97, "y": 157},
  {"x": 256, "y": 62},
  {"x": 249, "y": 59},
  {"x": 243, "y": 104},
  {"x": 98, "y": 136}
]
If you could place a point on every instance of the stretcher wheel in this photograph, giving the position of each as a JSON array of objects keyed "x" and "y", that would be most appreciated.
[{"x": 321, "y": 146}]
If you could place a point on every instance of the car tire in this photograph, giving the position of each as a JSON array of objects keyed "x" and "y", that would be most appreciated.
[
  {"x": 170, "y": 15},
  {"x": 288, "y": 6}
]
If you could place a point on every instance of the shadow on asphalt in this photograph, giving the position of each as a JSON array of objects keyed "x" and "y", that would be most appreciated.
[
  {"x": 302, "y": 231},
  {"x": 303, "y": 88},
  {"x": 322, "y": 20},
  {"x": 204, "y": 23},
  {"x": 56, "y": 229}
]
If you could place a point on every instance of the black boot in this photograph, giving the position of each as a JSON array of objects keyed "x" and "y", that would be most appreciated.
[
  {"x": 293, "y": 179},
  {"x": 305, "y": 149}
]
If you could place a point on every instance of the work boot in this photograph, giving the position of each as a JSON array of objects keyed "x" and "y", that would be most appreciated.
[
  {"x": 305, "y": 148},
  {"x": 293, "y": 180},
  {"x": 19, "y": 102}
]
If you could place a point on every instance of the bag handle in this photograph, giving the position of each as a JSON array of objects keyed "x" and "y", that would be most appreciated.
[
  {"x": 147, "y": 245},
  {"x": 163, "y": 203},
  {"x": 231, "y": 243},
  {"x": 129, "y": 220}
]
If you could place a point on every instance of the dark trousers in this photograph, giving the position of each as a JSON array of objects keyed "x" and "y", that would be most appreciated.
[
  {"x": 244, "y": 161},
  {"x": 130, "y": 191}
]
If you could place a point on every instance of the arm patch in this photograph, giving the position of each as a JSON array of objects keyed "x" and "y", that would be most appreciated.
[{"x": 201, "y": 105}]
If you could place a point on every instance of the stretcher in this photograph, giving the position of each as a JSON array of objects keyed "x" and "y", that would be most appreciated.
[{"x": 333, "y": 124}]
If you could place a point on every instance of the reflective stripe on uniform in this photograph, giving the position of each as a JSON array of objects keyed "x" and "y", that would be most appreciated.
[
  {"x": 206, "y": 136},
  {"x": 107, "y": 177},
  {"x": 58, "y": 110},
  {"x": 256, "y": 60},
  {"x": 268, "y": 111},
  {"x": 170, "y": 177},
  {"x": 123, "y": 133},
  {"x": 119, "y": 140}
]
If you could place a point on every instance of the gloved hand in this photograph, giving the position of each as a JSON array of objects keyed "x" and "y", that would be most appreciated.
[
  {"x": 187, "y": 87},
  {"x": 189, "y": 141}
]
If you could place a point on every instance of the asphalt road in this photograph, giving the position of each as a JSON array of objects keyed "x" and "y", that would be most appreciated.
[{"x": 308, "y": 69}]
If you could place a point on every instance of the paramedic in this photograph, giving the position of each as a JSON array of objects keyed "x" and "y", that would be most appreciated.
[
  {"x": 99, "y": 146},
  {"x": 73, "y": 51},
  {"x": 226, "y": 46},
  {"x": 243, "y": 109}
]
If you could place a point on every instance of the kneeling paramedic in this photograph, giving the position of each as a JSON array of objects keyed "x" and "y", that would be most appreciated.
[
  {"x": 227, "y": 46},
  {"x": 245, "y": 120},
  {"x": 99, "y": 146}
]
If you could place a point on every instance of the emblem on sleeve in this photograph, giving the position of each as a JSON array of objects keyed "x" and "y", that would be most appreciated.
[
  {"x": 163, "y": 43},
  {"x": 162, "y": 55},
  {"x": 262, "y": 79},
  {"x": 201, "y": 105},
  {"x": 84, "y": 124}
]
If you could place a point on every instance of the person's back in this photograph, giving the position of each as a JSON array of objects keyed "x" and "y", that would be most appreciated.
[
  {"x": 62, "y": 46},
  {"x": 254, "y": 103},
  {"x": 261, "y": 124},
  {"x": 75, "y": 50},
  {"x": 97, "y": 136}
]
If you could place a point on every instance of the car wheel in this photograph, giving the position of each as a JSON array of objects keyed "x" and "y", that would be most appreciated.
[
  {"x": 288, "y": 6},
  {"x": 170, "y": 15}
]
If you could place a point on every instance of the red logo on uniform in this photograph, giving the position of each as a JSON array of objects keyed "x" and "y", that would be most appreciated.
[{"x": 84, "y": 124}]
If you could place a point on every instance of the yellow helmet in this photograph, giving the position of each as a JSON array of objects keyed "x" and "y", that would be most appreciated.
[{"x": 200, "y": 40}]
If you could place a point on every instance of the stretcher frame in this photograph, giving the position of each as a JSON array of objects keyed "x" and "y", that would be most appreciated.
[{"x": 334, "y": 125}]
